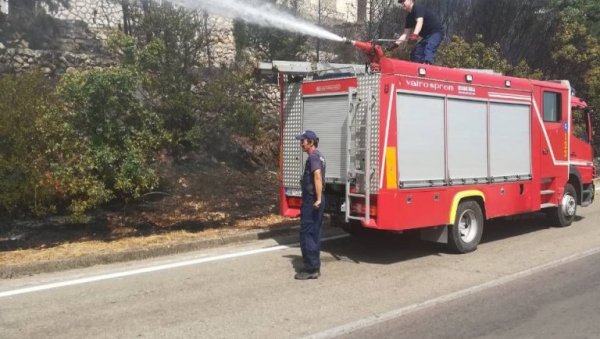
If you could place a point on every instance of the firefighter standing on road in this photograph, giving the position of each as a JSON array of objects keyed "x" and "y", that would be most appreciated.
[
  {"x": 313, "y": 206},
  {"x": 420, "y": 22}
]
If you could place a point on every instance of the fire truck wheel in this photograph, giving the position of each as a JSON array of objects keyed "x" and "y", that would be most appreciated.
[
  {"x": 465, "y": 234},
  {"x": 564, "y": 214}
]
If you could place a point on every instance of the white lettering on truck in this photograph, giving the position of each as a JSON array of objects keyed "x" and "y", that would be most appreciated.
[{"x": 430, "y": 85}]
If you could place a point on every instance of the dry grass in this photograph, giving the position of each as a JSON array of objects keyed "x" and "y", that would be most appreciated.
[{"x": 196, "y": 202}]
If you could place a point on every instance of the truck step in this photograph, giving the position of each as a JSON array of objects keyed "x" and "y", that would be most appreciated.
[
  {"x": 546, "y": 205},
  {"x": 547, "y": 192},
  {"x": 357, "y": 195}
]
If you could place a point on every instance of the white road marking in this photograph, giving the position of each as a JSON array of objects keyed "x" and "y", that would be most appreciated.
[
  {"x": 86, "y": 280},
  {"x": 380, "y": 318}
]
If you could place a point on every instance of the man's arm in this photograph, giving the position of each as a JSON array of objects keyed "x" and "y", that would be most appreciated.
[
  {"x": 402, "y": 39},
  {"x": 318, "y": 187},
  {"x": 418, "y": 26}
]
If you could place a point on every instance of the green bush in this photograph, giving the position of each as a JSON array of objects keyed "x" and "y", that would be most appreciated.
[
  {"x": 104, "y": 142},
  {"x": 25, "y": 184},
  {"x": 225, "y": 110}
]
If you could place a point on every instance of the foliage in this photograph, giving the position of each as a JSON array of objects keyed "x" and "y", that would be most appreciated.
[
  {"x": 575, "y": 51},
  {"x": 29, "y": 21},
  {"x": 23, "y": 188},
  {"x": 225, "y": 106},
  {"x": 585, "y": 11},
  {"x": 459, "y": 53},
  {"x": 27, "y": 6},
  {"x": 123, "y": 46},
  {"x": 576, "y": 56},
  {"x": 94, "y": 144},
  {"x": 272, "y": 43},
  {"x": 168, "y": 54},
  {"x": 104, "y": 116}
]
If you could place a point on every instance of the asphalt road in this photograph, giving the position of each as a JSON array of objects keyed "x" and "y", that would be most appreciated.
[
  {"x": 561, "y": 302},
  {"x": 525, "y": 280}
]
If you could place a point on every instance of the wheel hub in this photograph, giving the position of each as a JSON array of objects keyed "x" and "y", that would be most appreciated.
[
  {"x": 568, "y": 205},
  {"x": 468, "y": 226}
]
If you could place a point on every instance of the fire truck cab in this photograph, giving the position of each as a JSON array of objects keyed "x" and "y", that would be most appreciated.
[{"x": 413, "y": 146}]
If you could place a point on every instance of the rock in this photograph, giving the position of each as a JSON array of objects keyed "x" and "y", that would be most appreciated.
[
  {"x": 46, "y": 70},
  {"x": 2, "y": 47}
]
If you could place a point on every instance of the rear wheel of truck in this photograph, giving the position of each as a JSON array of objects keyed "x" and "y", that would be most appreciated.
[
  {"x": 564, "y": 214},
  {"x": 465, "y": 234}
]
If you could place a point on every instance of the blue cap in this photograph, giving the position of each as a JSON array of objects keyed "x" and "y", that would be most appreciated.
[{"x": 309, "y": 135}]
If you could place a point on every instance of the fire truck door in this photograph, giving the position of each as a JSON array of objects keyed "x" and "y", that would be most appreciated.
[
  {"x": 554, "y": 150},
  {"x": 580, "y": 150}
]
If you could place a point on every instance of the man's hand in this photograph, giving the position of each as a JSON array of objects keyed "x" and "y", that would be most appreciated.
[
  {"x": 413, "y": 38},
  {"x": 392, "y": 46},
  {"x": 317, "y": 204}
]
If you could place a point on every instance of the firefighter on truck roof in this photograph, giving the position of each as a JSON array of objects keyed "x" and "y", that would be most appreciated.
[{"x": 420, "y": 22}]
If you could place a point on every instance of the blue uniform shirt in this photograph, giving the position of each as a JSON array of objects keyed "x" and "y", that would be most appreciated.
[
  {"x": 314, "y": 162},
  {"x": 431, "y": 24}
]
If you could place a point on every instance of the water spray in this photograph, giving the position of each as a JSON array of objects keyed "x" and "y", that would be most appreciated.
[{"x": 259, "y": 13}]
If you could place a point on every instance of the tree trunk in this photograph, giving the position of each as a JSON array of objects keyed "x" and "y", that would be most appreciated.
[
  {"x": 361, "y": 10},
  {"x": 126, "y": 17}
]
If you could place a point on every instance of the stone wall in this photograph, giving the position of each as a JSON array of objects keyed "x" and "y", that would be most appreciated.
[
  {"x": 97, "y": 14},
  {"x": 51, "y": 63},
  {"x": 222, "y": 43},
  {"x": 102, "y": 16}
]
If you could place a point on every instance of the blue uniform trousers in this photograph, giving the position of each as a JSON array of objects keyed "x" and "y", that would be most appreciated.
[
  {"x": 425, "y": 50},
  {"x": 311, "y": 220}
]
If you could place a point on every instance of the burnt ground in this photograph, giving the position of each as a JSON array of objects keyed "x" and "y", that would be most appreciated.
[{"x": 195, "y": 201}]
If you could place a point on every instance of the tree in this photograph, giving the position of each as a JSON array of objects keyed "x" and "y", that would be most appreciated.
[
  {"x": 460, "y": 54},
  {"x": 27, "y": 7},
  {"x": 576, "y": 57},
  {"x": 273, "y": 44},
  {"x": 587, "y": 11},
  {"x": 29, "y": 19}
]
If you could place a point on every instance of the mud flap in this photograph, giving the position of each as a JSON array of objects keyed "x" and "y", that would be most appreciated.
[{"x": 437, "y": 234}]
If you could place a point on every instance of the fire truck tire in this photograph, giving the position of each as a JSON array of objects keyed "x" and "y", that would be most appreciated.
[
  {"x": 564, "y": 214},
  {"x": 465, "y": 234}
]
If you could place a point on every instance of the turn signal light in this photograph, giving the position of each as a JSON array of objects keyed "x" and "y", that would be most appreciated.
[
  {"x": 294, "y": 202},
  {"x": 360, "y": 209}
]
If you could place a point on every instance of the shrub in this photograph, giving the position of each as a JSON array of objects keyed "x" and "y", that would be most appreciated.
[
  {"x": 225, "y": 109},
  {"x": 24, "y": 184},
  {"x": 102, "y": 144}
]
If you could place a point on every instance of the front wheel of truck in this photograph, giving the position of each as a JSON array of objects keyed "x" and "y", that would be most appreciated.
[{"x": 564, "y": 214}]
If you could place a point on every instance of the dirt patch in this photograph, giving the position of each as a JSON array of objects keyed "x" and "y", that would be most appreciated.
[{"x": 196, "y": 201}]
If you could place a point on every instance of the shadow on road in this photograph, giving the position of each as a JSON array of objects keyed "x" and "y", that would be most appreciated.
[{"x": 380, "y": 247}]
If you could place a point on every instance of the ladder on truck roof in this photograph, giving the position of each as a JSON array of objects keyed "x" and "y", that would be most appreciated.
[{"x": 358, "y": 164}]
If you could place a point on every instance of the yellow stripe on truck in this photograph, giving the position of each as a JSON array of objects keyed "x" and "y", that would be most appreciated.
[
  {"x": 391, "y": 172},
  {"x": 458, "y": 197}
]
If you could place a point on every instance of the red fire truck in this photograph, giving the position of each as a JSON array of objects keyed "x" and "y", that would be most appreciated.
[{"x": 413, "y": 146}]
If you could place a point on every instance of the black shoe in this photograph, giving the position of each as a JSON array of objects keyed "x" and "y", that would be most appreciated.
[{"x": 304, "y": 275}]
